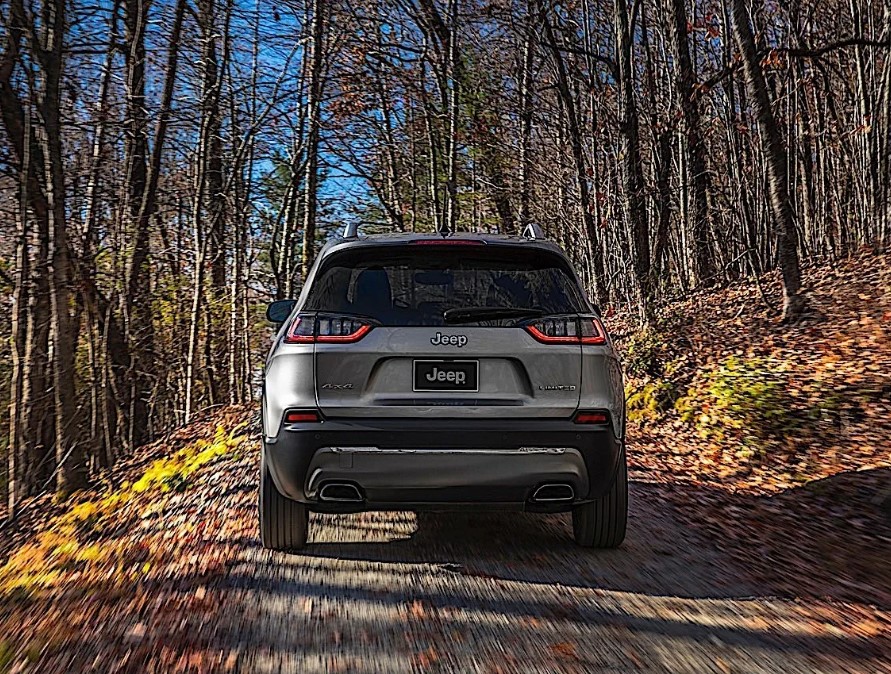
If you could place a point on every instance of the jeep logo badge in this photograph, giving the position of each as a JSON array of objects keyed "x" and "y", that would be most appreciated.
[{"x": 440, "y": 339}]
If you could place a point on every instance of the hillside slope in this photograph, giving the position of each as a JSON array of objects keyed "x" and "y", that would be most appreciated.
[{"x": 783, "y": 433}]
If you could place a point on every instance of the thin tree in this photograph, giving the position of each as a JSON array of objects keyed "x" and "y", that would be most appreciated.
[
  {"x": 314, "y": 122},
  {"x": 777, "y": 161}
]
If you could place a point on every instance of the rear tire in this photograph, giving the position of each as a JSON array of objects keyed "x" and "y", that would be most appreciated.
[
  {"x": 602, "y": 524},
  {"x": 283, "y": 523}
]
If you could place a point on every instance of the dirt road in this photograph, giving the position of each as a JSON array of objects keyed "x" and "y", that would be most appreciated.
[{"x": 398, "y": 592}]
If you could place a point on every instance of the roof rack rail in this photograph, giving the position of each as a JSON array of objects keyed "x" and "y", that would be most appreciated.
[
  {"x": 351, "y": 230},
  {"x": 533, "y": 232}
]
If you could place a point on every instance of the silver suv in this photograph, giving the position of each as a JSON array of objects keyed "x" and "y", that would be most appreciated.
[{"x": 418, "y": 371}]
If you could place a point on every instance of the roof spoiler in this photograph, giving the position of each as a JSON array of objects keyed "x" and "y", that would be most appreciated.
[{"x": 532, "y": 231}]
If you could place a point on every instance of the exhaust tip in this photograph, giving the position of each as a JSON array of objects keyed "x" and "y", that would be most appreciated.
[
  {"x": 553, "y": 493},
  {"x": 340, "y": 492}
]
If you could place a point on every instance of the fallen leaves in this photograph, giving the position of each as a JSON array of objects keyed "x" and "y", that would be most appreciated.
[
  {"x": 565, "y": 650},
  {"x": 798, "y": 507},
  {"x": 417, "y": 610},
  {"x": 88, "y": 543},
  {"x": 426, "y": 658},
  {"x": 121, "y": 553}
]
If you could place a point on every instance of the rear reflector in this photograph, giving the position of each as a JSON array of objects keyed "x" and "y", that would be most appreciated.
[
  {"x": 596, "y": 417},
  {"x": 302, "y": 417}
]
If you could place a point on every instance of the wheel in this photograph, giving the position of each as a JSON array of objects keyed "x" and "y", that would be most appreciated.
[
  {"x": 283, "y": 523},
  {"x": 601, "y": 524}
]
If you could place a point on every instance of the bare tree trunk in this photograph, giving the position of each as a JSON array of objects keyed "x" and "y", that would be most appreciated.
[
  {"x": 211, "y": 124},
  {"x": 663, "y": 180},
  {"x": 17, "y": 473},
  {"x": 137, "y": 314},
  {"x": 433, "y": 159},
  {"x": 634, "y": 180},
  {"x": 689, "y": 105},
  {"x": 137, "y": 271},
  {"x": 578, "y": 153},
  {"x": 311, "y": 186},
  {"x": 453, "y": 74},
  {"x": 530, "y": 38},
  {"x": 882, "y": 138},
  {"x": 71, "y": 446},
  {"x": 101, "y": 400},
  {"x": 239, "y": 351},
  {"x": 204, "y": 243},
  {"x": 211, "y": 192},
  {"x": 777, "y": 164},
  {"x": 194, "y": 318},
  {"x": 35, "y": 452},
  {"x": 393, "y": 197}
]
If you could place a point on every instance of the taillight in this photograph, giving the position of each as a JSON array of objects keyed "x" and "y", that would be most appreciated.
[
  {"x": 567, "y": 330},
  {"x": 343, "y": 329},
  {"x": 302, "y": 417},
  {"x": 591, "y": 331},
  {"x": 326, "y": 329},
  {"x": 302, "y": 330},
  {"x": 595, "y": 417}
]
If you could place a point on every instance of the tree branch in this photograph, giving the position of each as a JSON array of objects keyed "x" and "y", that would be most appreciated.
[
  {"x": 604, "y": 60},
  {"x": 825, "y": 49},
  {"x": 717, "y": 78}
]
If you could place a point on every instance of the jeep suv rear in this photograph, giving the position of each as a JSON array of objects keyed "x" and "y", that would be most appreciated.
[{"x": 428, "y": 372}]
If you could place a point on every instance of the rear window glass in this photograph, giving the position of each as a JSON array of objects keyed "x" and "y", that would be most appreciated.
[{"x": 417, "y": 286}]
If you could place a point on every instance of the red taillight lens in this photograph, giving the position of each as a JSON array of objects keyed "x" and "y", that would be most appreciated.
[
  {"x": 571, "y": 330},
  {"x": 302, "y": 331},
  {"x": 596, "y": 417},
  {"x": 591, "y": 331},
  {"x": 302, "y": 417},
  {"x": 326, "y": 329}
]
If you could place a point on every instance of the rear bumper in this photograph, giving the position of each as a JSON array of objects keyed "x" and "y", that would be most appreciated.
[{"x": 419, "y": 463}]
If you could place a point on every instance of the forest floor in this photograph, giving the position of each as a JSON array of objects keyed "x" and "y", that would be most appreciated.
[{"x": 769, "y": 558}]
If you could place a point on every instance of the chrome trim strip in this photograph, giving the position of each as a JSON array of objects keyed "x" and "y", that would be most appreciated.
[
  {"x": 494, "y": 452},
  {"x": 559, "y": 499}
]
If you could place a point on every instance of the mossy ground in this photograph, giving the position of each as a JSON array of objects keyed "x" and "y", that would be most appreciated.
[{"x": 89, "y": 542}]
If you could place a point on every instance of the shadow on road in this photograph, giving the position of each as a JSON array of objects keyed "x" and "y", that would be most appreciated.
[
  {"x": 829, "y": 539},
  {"x": 502, "y": 585}
]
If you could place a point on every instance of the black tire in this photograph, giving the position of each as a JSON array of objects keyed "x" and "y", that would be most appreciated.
[
  {"x": 602, "y": 524},
  {"x": 283, "y": 523}
]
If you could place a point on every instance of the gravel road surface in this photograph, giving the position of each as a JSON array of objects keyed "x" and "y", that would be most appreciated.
[
  {"x": 511, "y": 592},
  {"x": 443, "y": 592}
]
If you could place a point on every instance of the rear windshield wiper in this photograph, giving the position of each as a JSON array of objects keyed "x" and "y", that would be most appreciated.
[{"x": 471, "y": 314}]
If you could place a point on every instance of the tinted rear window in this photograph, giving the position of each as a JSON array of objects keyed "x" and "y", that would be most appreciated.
[{"x": 415, "y": 286}]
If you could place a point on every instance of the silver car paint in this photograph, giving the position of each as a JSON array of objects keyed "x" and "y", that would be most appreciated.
[{"x": 519, "y": 377}]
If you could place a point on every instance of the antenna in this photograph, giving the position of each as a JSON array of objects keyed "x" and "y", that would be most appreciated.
[
  {"x": 350, "y": 231},
  {"x": 533, "y": 232}
]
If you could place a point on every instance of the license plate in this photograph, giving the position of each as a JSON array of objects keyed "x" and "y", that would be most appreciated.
[{"x": 446, "y": 375}]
